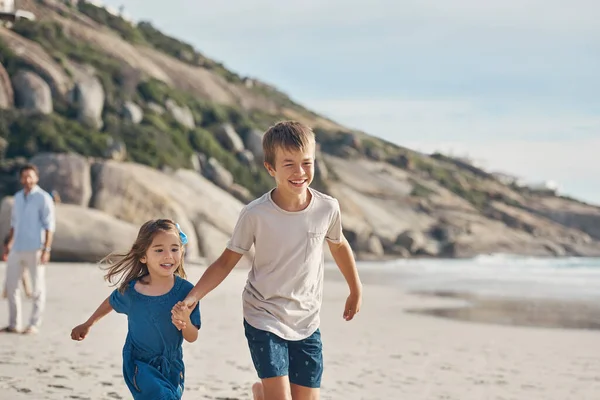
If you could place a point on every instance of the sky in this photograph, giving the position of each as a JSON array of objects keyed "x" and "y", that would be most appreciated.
[{"x": 513, "y": 84}]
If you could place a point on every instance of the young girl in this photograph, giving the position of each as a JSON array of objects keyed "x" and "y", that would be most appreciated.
[{"x": 151, "y": 281}]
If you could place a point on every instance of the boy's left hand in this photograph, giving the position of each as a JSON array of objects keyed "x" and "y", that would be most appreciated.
[{"x": 353, "y": 304}]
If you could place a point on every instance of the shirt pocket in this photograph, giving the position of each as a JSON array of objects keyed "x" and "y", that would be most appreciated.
[{"x": 314, "y": 244}]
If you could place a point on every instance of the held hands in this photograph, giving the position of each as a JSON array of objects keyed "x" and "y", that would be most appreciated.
[
  {"x": 180, "y": 314},
  {"x": 80, "y": 332},
  {"x": 353, "y": 304}
]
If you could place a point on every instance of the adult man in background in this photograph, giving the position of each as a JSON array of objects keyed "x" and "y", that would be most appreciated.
[{"x": 30, "y": 240}]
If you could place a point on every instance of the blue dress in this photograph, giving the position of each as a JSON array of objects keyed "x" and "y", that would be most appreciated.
[{"x": 152, "y": 355}]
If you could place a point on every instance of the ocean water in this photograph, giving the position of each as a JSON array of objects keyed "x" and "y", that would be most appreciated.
[{"x": 494, "y": 275}]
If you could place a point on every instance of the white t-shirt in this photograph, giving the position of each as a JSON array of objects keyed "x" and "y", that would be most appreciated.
[{"x": 284, "y": 290}]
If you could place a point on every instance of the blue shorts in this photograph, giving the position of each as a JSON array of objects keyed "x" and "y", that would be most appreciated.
[{"x": 273, "y": 356}]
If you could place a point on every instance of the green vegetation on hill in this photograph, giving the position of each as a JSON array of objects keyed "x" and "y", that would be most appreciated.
[
  {"x": 146, "y": 34},
  {"x": 28, "y": 134},
  {"x": 158, "y": 141}
]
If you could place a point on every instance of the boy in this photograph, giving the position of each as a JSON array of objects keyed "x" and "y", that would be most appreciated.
[{"x": 283, "y": 293}]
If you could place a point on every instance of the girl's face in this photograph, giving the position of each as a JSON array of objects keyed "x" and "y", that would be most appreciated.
[{"x": 164, "y": 254}]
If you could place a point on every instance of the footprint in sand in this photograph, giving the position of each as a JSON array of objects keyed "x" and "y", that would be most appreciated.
[
  {"x": 60, "y": 387},
  {"x": 114, "y": 395},
  {"x": 106, "y": 383}
]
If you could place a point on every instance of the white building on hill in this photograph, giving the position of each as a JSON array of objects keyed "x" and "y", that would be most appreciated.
[{"x": 7, "y": 6}]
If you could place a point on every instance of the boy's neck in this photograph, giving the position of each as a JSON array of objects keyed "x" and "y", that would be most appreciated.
[{"x": 291, "y": 201}]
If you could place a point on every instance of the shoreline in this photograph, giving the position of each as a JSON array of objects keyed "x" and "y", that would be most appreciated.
[{"x": 574, "y": 314}]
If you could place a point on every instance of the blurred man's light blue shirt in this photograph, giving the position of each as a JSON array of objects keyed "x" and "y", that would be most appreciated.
[{"x": 31, "y": 216}]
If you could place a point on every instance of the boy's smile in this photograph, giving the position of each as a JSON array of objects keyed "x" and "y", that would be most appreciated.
[{"x": 293, "y": 170}]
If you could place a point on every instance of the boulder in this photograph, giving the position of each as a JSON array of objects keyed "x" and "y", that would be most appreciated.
[
  {"x": 253, "y": 142},
  {"x": 88, "y": 97},
  {"x": 229, "y": 139},
  {"x": 374, "y": 246},
  {"x": 100, "y": 235},
  {"x": 34, "y": 55},
  {"x": 246, "y": 158},
  {"x": 68, "y": 174},
  {"x": 183, "y": 115},
  {"x": 321, "y": 171},
  {"x": 6, "y": 90},
  {"x": 218, "y": 174},
  {"x": 156, "y": 108},
  {"x": 128, "y": 192},
  {"x": 132, "y": 112},
  {"x": 211, "y": 240},
  {"x": 204, "y": 201},
  {"x": 115, "y": 150},
  {"x": 241, "y": 193},
  {"x": 411, "y": 240},
  {"x": 32, "y": 92}
]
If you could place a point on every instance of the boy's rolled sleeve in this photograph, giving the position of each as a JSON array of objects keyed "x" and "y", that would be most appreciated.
[
  {"x": 242, "y": 238},
  {"x": 335, "y": 233}
]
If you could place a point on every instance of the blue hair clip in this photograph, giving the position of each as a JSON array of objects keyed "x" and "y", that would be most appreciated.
[{"x": 182, "y": 235}]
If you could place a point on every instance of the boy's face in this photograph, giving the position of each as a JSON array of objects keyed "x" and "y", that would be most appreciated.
[{"x": 293, "y": 170}]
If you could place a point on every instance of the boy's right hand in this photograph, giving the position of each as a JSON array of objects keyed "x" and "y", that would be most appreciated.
[
  {"x": 80, "y": 332},
  {"x": 190, "y": 302}
]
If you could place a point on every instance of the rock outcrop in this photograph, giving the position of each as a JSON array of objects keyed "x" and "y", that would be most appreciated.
[
  {"x": 6, "y": 90},
  {"x": 32, "y": 93}
]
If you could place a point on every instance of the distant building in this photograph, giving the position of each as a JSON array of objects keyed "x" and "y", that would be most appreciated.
[
  {"x": 508, "y": 179},
  {"x": 8, "y": 13},
  {"x": 7, "y": 6},
  {"x": 544, "y": 187}
]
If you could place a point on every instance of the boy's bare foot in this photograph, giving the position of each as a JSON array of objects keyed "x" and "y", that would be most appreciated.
[{"x": 257, "y": 391}]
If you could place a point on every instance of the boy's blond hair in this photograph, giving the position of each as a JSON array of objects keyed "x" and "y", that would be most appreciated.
[{"x": 287, "y": 135}]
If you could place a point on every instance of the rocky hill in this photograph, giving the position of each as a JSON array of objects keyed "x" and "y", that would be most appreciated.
[{"x": 128, "y": 123}]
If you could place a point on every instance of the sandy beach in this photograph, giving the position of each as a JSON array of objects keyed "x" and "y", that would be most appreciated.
[{"x": 385, "y": 353}]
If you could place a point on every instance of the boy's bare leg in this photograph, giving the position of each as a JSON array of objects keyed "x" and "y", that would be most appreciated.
[
  {"x": 305, "y": 393},
  {"x": 257, "y": 391},
  {"x": 277, "y": 388}
]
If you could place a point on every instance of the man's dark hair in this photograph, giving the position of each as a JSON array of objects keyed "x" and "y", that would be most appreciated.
[{"x": 27, "y": 167}]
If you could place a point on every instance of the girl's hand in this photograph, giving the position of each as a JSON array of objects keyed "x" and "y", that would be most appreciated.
[
  {"x": 180, "y": 325},
  {"x": 181, "y": 311},
  {"x": 180, "y": 315},
  {"x": 80, "y": 332}
]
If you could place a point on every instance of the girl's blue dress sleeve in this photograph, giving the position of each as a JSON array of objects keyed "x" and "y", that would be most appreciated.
[
  {"x": 195, "y": 316},
  {"x": 119, "y": 301}
]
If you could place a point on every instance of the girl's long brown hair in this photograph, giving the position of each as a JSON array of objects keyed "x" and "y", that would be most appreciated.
[{"x": 125, "y": 268}]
